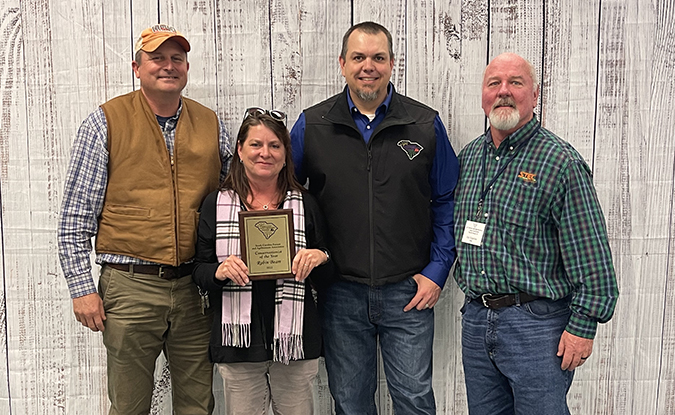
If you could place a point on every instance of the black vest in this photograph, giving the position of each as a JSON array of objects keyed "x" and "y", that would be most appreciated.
[{"x": 376, "y": 196}]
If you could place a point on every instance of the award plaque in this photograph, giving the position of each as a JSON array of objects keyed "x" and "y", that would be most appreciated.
[{"x": 267, "y": 243}]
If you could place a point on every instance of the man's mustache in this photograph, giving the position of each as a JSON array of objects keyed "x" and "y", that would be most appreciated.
[{"x": 504, "y": 102}]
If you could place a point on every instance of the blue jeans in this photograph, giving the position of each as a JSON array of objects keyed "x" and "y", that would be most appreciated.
[
  {"x": 510, "y": 362},
  {"x": 353, "y": 317}
]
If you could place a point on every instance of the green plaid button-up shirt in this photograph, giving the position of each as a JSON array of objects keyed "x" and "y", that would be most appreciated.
[{"x": 545, "y": 233}]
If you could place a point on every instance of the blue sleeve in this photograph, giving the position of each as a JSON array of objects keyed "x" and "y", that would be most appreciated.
[
  {"x": 443, "y": 179},
  {"x": 298, "y": 148}
]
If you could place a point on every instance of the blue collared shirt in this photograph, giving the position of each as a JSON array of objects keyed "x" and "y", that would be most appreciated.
[
  {"x": 442, "y": 178},
  {"x": 363, "y": 123}
]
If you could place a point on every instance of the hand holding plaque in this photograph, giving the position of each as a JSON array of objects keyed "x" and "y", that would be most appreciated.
[{"x": 267, "y": 243}]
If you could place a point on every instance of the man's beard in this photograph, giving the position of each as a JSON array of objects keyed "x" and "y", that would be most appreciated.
[
  {"x": 366, "y": 96},
  {"x": 502, "y": 118}
]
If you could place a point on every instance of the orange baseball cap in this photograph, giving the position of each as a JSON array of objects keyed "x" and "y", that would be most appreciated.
[{"x": 153, "y": 37}]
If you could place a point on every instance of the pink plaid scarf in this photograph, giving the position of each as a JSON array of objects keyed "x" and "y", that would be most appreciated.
[{"x": 289, "y": 296}]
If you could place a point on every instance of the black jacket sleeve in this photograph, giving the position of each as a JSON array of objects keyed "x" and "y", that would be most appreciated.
[
  {"x": 206, "y": 260},
  {"x": 316, "y": 234}
]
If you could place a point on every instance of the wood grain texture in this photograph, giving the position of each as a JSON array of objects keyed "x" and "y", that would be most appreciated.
[
  {"x": 12, "y": 120},
  {"x": 117, "y": 38},
  {"x": 569, "y": 72},
  {"x": 196, "y": 17},
  {"x": 661, "y": 149},
  {"x": 32, "y": 366},
  {"x": 306, "y": 42},
  {"x": 606, "y": 68},
  {"x": 634, "y": 176},
  {"x": 392, "y": 15},
  {"x": 243, "y": 64},
  {"x": 517, "y": 26}
]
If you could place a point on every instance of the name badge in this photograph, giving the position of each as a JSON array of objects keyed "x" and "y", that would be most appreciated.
[{"x": 473, "y": 233}]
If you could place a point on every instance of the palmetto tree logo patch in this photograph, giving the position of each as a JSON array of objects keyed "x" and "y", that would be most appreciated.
[{"x": 411, "y": 148}]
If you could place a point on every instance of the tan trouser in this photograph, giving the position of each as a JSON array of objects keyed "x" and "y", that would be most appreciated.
[
  {"x": 251, "y": 387},
  {"x": 145, "y": 315}
]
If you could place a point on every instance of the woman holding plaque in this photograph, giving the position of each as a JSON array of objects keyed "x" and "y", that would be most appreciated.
[{"x": 266, "y": 336}]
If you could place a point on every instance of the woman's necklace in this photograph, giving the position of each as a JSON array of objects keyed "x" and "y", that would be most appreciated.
[
  {"x": 268, "y": 204},
  {"x": 265, "y": 207}
]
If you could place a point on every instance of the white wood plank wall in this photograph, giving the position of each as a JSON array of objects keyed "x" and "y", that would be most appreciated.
[{"x": 607, "y": 70}]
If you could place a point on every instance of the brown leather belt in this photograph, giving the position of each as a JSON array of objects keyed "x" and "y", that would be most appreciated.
[
  {"x": 496, "y": 301},
  {"x": 166, "y": 272}
]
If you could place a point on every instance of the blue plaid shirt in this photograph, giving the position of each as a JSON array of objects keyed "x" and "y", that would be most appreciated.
[{"x": 85, "y": 190}]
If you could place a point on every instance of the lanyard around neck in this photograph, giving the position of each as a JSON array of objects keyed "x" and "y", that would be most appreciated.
[{"x": 486, "y": 189}]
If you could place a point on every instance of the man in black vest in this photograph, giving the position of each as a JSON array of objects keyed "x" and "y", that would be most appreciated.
[{"x": 383, "y": 171}]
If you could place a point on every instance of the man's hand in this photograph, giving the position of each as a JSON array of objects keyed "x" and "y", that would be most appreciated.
[
  {"x": 574, "y": 350},
  {"x": 88, "y": 310},
  {"x": 427, "y": 294}
]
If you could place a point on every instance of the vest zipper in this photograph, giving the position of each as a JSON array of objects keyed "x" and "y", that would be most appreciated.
[
  {"x": 176, "y": 222},
  {"x": 370, "y": 214}
]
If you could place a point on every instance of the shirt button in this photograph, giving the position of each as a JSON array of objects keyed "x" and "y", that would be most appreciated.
[
  {"x": 368, "y": 127},
  {"x": 497, "y": 158},
  {"x": 511, "y": 148},
  {"x": 483, "y": 272},
  {"x": 486, "y": 215}
]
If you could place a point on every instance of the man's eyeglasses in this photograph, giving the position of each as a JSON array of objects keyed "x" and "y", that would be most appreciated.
[{"x": 257, "y": 111}]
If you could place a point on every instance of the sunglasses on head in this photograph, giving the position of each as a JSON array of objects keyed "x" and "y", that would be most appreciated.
[{"x": 257, "y": 111}]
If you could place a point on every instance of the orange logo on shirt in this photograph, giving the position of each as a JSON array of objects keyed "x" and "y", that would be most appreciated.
[{"x": 528, "y": 177}]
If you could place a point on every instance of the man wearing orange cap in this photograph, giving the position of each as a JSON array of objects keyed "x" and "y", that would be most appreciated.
[{"x": 141, "y": 165}]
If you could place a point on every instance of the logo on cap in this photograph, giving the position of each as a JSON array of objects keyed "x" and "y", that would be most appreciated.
[{"x": 162, "y": 28}]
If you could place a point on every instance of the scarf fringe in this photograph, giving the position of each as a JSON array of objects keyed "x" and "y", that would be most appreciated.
[
  {"x": 288, "y": 347},
  {"x": 237, "y": 335}
]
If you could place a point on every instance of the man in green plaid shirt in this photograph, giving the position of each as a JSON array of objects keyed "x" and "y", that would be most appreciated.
[{"x": 533, "y": 256}]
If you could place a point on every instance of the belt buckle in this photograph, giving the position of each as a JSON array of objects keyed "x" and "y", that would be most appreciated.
[
  {"x": 484, "y": 299},
  {"x": 167, "y": 273}
]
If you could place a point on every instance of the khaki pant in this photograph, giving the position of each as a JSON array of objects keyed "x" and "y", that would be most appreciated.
[
  {"x": 251, "y": 387},
  {"x": 145, "y": 316}
]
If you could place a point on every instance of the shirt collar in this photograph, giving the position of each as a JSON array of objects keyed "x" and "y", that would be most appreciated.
[
  {"x": 515, "y": 138},
  {"x": 173, "y": 120},
  {"x": 383, "y": 107},
  {"x": 179, "y": 110}
]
